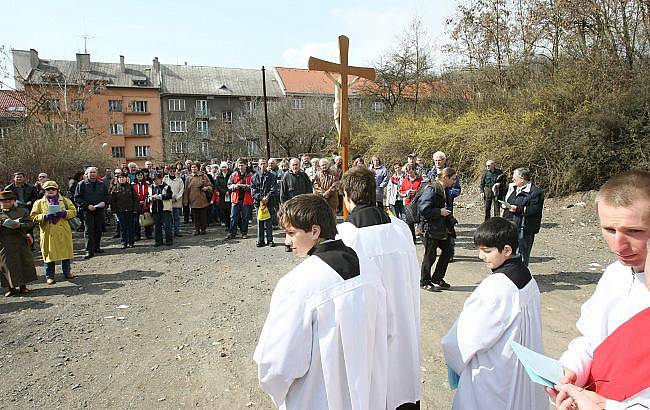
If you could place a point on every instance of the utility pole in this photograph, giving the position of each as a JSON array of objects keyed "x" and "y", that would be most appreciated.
[{"x": 266, "y": 115}]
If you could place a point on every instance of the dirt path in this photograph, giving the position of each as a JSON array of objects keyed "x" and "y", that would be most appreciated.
[{"x": 176, "y": 327}]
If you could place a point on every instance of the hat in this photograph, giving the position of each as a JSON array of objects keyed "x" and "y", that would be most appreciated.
[
  {"x": 50, "y": 184},
  {"x": 412, "y": 155},
  {"x": 7, "y": 195},
  {"x": 223, "y": 164}
]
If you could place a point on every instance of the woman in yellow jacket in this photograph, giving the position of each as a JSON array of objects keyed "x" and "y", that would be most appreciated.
[{"x": 52, "y": 213}]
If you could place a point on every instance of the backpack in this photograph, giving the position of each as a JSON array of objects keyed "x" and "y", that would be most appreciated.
[{"x": 412, "y": 213}]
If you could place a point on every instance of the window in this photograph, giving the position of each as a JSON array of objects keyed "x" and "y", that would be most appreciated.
[
  {"x": 377, "y": 106},
  {"x": 139, "y": 106},
  {"x": 177, "y": 126},
  {"x": 205, "y": 147},
  {"x": 78, "y": 105},
  {"x": 81, "y": 128},
  {"x": 176, "y": 105},
  {"x": 117, "y": 129},
  {"x": 202, "y": 126},
  {"x": 117, "y": 152},
  {"x": 202, "y": 108},
  {"x": 51, "y": 105},
  {"x": 114, "y": 106},
  {"x": 142, "y": 151},
  {"x": 298, "y": 103},
  {"x": 250, "y": 106},
  {"x": 178, "y": 147},
  {"x": 140, "y": 129},
  {"x": 226, "y": 117},
  {"x": 4, "y": 133}
]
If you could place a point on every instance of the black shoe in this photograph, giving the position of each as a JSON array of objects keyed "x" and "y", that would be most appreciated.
[
  {"x": 272, "y": 244},
  {"x": 99, "y": 251},
  {"x": 452, "y": 260},
  {"x": 260, "y": 244},
  {"x": 124, "y": 246},
  {"x": 442, "y": 284},
  {"x": 178, "y": 235},
  {"x": 88, "y": 255},
  {"x": 131, "y": 245},
  {"x": 287, "y": 248},
  {"x": 157, "y": 245},
  {"x": 230, "y": 237},
  {"x": 197, "y": 233},
  {"x": 116, "y": 236}
]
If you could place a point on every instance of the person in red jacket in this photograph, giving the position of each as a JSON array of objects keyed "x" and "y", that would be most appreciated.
[
  {"x": 408, "y": 189},
  {"x": 241, "y": 198},
  {"x": 142, "y": 189}
]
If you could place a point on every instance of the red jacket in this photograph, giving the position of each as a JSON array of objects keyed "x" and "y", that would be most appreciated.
[
  {"x": 235, "y": 197},
  {"x": 412, "y": 185},
  {"x": 143, "y": 192}
]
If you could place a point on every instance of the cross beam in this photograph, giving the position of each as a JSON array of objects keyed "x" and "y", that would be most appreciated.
[{"x": 344, "y": 70}]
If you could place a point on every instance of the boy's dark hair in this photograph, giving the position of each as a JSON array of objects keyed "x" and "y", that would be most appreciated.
[
  {"x": 360, "y": 185},
  {"x": 306, "y": 210},
  {"x": 497, "y": 232}
]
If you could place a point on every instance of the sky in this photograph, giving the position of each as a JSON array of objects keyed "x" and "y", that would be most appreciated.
[{"x": 217, "y": 33}]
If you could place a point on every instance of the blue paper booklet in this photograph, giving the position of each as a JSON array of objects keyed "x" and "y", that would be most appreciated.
[
  {"x": 541, "y": 369},
  {"x": 453, "y": 378}
]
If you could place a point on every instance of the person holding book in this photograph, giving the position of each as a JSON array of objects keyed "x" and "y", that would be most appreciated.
[
  {"x": 505, "y": 307},
  {"x": 52, "y": 213}
]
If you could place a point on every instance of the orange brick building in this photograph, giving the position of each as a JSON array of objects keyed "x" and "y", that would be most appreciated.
[{"x": 115, "y": 105}]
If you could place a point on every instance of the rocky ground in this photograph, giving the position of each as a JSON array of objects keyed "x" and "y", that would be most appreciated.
[{"x": 176, "y": 327}]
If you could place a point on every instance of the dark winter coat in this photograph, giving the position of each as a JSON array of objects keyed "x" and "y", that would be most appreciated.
[
  {"x": 294, "y": 184},
  {"x": 432, "y": 201},
  {"x": 530, "y": 203},
  {"x": 27, "y": 194},
  {"x": 263, "y": 185},
  {"x": 124, "y": 198},
  {"x": 16, "y": 260}
]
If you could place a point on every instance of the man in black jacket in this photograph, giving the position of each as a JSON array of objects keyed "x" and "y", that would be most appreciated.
[
  {"x": 488, "y": 182},
  {"x": 438, "y": 230},
  {"x": 26, "y": 194},
  {"x": 92, "y": 197},
  {"x": 264, "y": 185},
  {"x": 525, "y": 210},
  {"x": 294, "y": 182}
]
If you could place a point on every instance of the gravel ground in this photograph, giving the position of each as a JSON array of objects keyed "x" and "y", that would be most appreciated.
[{"x": 176, "y": 327}]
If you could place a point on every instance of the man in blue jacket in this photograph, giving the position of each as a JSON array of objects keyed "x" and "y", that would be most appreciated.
[{"x": 264, "y": 186}]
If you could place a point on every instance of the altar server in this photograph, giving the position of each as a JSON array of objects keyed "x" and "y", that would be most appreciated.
[{"x": 324, "y": 342}]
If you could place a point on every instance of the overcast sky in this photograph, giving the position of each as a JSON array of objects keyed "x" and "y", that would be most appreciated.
[{"x": 247, "y": 33}]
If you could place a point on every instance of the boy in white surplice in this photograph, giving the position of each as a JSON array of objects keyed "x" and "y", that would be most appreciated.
[
  {"x": 504, "y": 307},
  {"x": 324, "y": 342}
]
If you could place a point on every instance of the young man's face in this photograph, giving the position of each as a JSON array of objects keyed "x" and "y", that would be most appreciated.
[
  {"x": 492, "y": 257},
  {"x": 627, "y": 231},
  {"x": 262, "y": 165},
  {"x": 300, "y": 241},
  {"x": 19, "y": 178}
]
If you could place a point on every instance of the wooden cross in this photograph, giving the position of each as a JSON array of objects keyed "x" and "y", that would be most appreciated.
[{"x": 344, "y": 70}]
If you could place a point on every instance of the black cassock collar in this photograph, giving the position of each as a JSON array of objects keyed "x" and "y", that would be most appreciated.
[
  {"x": 516, "y": 271},
  {"x": 365, "y": 215},
  {"x": 338, "y": 257}
]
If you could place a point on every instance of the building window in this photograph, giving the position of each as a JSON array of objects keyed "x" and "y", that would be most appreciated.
[
  {"x": 176, "y": 105},
  {"x": 177, "y": 126},
  {"x": 117, "y": 129},
  {"x": 178, "y": 147},
  {"x": 114, "y": 106},
  {"x": 78, "y": 105},
  {"x": 250, "y": 106},
  {"x": 81, "y": 128},
  {"x": 377, "y": 106},
  {"x": 298, "y": 103},
  {"x": 202, "y": 108},
  {"x": 226, "y": 117},
  {"x": 51, "y": 105},
  {"x": 4, "y": 134},
  {"x": 142, "y": 151},
  {"x": 202, "y": 126},
  {"x": 205, "y": 147},
  {"x": 117, "y": 152},
  {"x": 140, "y": 129},
  {"x": 139, "y": 106}
]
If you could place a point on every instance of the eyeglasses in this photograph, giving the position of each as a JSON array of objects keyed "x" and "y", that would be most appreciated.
[
  {"x": 42, "y": 176},
  {"x": 51, "y": 189}
]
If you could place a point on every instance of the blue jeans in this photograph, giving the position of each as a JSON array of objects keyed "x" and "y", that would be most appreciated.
[
  {"x": 245, "y": 211},
  {"x": 176, "y": 220},
  {"x": 525, "y": 246},
  {"x": 127, "y": 227},
  {"x": 263, "y": 226},
  {"x": 51, "y": 266},
  {"x": 162, "y": 220}
]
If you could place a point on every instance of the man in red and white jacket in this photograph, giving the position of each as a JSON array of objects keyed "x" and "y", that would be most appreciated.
[{"x": 241, "y": 198}]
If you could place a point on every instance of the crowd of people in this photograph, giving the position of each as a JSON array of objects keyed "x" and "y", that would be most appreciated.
[{"x": 343, "y": 330}]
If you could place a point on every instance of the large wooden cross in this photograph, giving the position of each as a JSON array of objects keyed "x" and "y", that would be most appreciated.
[{"x": 344, "y": 70}]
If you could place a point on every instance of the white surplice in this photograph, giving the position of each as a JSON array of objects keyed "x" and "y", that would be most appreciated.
[
  {"x": 323, "y": 345},
  {"x": 477, "y": 347},
  {"x": 390, "y": 246},
  {"x": 619, "y": 295}
]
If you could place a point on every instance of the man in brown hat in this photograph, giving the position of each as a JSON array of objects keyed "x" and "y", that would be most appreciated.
[{"x": 16, "y": 261}]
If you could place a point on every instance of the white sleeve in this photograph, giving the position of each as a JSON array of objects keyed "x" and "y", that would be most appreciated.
[
  {"x": 283, "y": 353},
  {"x": 479, "y": 326},
  {"x": 641, "y": 401}
]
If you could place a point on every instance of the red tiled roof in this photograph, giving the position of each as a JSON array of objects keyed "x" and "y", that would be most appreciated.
[
  {"x": 303, "y": 81},
  {"x": 12, "y": 103}
]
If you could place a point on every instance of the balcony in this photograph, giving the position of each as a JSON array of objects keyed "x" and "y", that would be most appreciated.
[{"x": 131, "y": 112}]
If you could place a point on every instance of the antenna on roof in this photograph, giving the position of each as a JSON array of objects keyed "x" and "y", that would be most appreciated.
[{"x": 86, "y": 37}]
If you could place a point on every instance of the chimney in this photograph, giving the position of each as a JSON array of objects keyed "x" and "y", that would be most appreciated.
[
  {"x": 122, "y": 67},
  {"x": 83, "y": 62},
  {"x": 156, "y": 65},
  {"x": 33, "y": 58}
]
